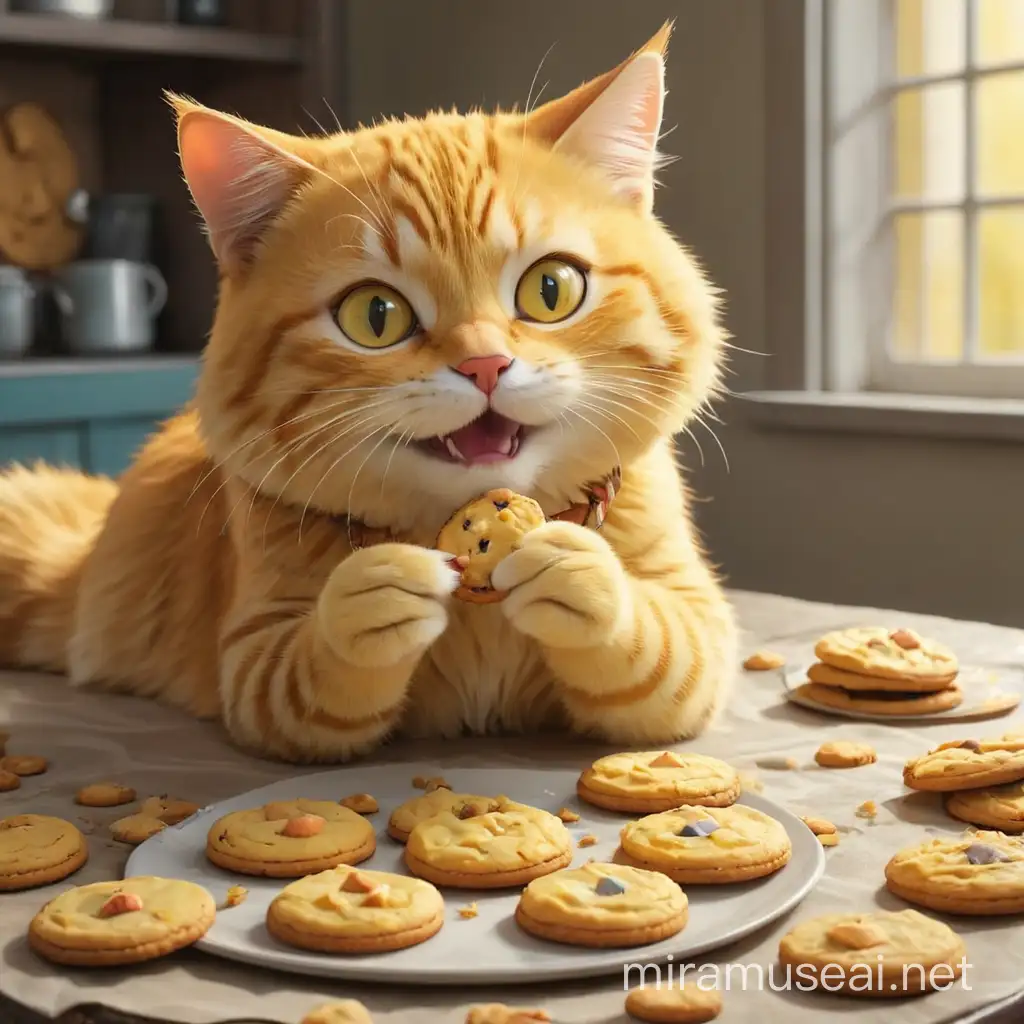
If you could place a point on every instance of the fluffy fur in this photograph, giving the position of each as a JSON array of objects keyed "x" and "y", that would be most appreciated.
[{"x": 268, "y": 556}]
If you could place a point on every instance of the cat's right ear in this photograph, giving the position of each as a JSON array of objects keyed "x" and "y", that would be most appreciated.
[{"x": 240, "y": 176}]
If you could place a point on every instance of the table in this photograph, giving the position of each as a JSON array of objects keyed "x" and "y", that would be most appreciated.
[{"x": 91, "y": 736}]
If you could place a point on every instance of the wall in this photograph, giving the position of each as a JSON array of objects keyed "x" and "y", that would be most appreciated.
[{"x": 902, "y": 523}]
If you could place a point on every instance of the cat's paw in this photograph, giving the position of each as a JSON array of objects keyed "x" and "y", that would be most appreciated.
[
  {"x": 566, "y": 587},
  {"x": 386, "y": 603}
]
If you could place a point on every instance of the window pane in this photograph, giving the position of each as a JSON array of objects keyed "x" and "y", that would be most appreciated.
[
  {"x": 930, "y": 36},
  {"x": 1000, "y": 109},
  {"x": 929, "y": 133},
  {"x": 1000, "y": 31},
  {"x": 928, "y": 302},
  {"x": 1001, "y": 280}
]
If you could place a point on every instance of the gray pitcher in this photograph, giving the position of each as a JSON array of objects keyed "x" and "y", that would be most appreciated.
[
  {"x": 17, "y": 312},
  {"x": 109, "y": 306}
]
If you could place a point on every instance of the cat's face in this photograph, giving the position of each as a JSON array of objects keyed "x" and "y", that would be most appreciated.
[{"x": 436, "y": 307}]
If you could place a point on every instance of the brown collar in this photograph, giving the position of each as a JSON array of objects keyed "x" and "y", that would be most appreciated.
[{"x": 590, "y": 513}]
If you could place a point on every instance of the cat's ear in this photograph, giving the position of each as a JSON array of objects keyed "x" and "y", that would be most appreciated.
[
  {"x": 613, "y": 121},
  {"x": 240, "y": 176}
]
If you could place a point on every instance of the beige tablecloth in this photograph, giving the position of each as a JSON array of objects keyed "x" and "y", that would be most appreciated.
[{"x": 91, "y": 737}]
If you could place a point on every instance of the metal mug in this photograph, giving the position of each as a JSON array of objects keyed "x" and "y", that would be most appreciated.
[
  {"x": 109, "y": 305},
  {"x": 17, "y": 312}
]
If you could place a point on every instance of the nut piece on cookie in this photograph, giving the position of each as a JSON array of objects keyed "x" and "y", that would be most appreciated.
[
  {"x": 105, "y": 794},
  {"x": 856, "y": 934},
  {"x": 8, "y": 781},
  {"x": 843, "y": 754},
  {"x": 303, "y": 826},
  {"x": 498, "y": 1013},
  {"x": 120, "y": 903},
  {"x": 361, "y": 803},
  {"x": 356, "y": 881},
  {"x": 764, "y": 661},
  {"x": 24, "y": 764},
  {"x": 348, "y": 1011},
  {"x": 687, "y": 1004},
  {"x": 482, "y": 533},
  {"x": 905, "y": 638}
]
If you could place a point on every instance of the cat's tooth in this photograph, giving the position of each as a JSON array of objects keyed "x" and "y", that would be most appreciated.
[{"x": 452, "y": 450}]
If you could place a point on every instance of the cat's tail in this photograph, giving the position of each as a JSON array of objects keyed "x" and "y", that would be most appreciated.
[{"x": 49, "y": 521}]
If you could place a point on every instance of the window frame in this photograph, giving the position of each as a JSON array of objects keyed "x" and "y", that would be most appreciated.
[{"x": 848, "y": 194}]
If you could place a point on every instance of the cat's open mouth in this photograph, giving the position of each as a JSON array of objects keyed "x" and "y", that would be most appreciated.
[{"x": 489, "y": 438}]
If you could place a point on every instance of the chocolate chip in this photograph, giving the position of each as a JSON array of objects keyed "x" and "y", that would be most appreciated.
[
  {"x": 467, "y": 523},
  {"x": 702, "y": 828},
  {"x": 500, "y": 505},
  {"x": 610, "y": 887},
  {"x": 484, "y": 544},
  {"x": 971, "y": 744},
  {"x": 982, "y": 853}
]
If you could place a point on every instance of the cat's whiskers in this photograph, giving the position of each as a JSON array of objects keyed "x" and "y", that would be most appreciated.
[
  {"x": 591, "y": 407},
  {"x": 404, "y": 439},
  {"x": 600, "y": 395},
  {"x": 575, "y": 412}
]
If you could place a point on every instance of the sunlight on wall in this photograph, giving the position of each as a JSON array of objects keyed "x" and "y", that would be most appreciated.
[{"x": 930, "y": 166}]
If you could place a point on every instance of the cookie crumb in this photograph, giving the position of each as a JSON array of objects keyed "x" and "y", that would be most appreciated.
[
  {"x": 236, "y": 896},
  {"x": 764, "y": 661},
  {"x": 868, "y": 809},
  {"x": 781, "y": 764},
  {"x": 419, "y": 782},
  {"x": 829, "y": 839},
  {"x": 844, "y": 754},
  {"x": 568, "y": 816},
  {"x": 437, "y": 782},
  {"x": 361, "y": 803},
  {"x": 819, "y": 826},
  {"x": 587, "y": 840},
  {"x": 470, "y": 910}
]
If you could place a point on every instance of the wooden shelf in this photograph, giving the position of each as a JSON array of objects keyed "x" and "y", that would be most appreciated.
[{"x": 113, "y": 37}]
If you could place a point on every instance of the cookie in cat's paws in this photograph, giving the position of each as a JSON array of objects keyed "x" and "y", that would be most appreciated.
[{"x": 482, "y": 533}]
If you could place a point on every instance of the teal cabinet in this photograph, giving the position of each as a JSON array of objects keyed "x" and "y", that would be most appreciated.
[{"x": 93, "y": 415}]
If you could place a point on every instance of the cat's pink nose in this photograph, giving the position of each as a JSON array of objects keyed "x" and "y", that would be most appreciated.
[{"x": 484, "y": 371}]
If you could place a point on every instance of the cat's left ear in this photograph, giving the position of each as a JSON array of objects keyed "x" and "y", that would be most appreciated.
[{"x": 613, "y": 121}]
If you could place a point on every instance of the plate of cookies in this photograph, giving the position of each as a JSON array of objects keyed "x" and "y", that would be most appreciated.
[
  {"x": 877, "y": 674},
  {"x": 488, "y": 875}
]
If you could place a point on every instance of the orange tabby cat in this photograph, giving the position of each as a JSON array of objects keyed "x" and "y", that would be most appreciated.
[{"x": 409, "y": 315}]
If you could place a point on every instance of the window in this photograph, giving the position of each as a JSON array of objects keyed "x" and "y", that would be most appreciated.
[{"x": 923, "y": 192}]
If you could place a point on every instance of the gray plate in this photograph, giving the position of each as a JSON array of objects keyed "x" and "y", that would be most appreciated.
[{"x": 489, "y": 948}]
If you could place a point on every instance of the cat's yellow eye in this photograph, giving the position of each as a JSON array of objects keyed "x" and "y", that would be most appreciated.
[
  {"x": 375, "y": 316},
  {"x": 550, "y": 290}
]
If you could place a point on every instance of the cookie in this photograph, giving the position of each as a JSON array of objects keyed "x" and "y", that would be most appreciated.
[
  {"x": 499, "y": 1013},
  {"x": 998, "y": 807},
  {"x": 482, "y": 533},
  {"x": 967, "y": 764},
  {"x": 407, "y": 816},
  {"x": 658, "y": 780},
  {"x": 764, "y": 661},
  {"x": 494, "y": 850},
  {"x": 8, "y": 781},
  {"x": 891, "y": 654},
  {"x": 289, "y": 839},
  {"x": 875, "y": 954},
  {"x": 828, "y": 675},
  {"x": 24, "y": 764},
  {"x": 827, "y": 833},
  {"x": 169, "y": 809},
  {"x": 843, "y": 754},
  {"x": 136, "y": 828},
  {"x": 348, "y": 1011},
  {"x": 979, "y": 873},
  {"x": 109, "y": 923},
  {"x": 882, "y": 702},
  {"x": 602, "y": 906},
  {"x": 707, "y": 845},
  {"x": 348, "y": 910},
  {"x": 104, "y": 794},
  {"x": 37, "y": 850},
  {"x": 686, "y": 1004}
]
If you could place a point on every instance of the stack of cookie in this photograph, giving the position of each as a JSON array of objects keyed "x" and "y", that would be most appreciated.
[
  {"x": 982, "y": 781},
  {"x": 877, "y": 671}
]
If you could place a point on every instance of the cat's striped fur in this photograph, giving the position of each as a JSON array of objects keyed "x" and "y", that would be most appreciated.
[{"x": 220, "y": 574}]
